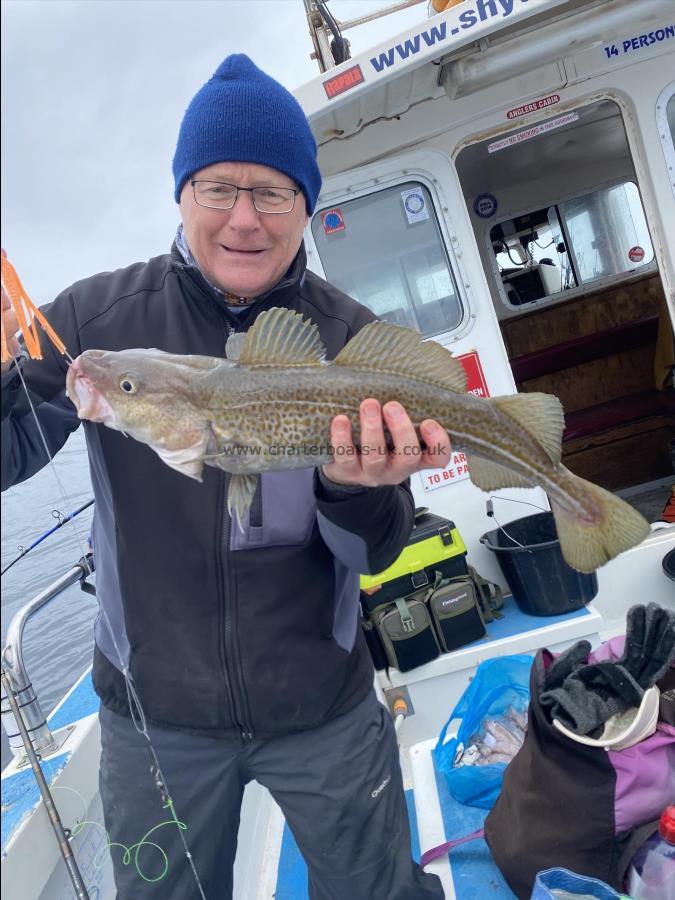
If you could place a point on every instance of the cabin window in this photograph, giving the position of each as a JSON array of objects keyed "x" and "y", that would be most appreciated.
[
  {"x": 665, "y": 118},
  {"x": 571, "y": 244},
  {"x": 386, "y": 250}
]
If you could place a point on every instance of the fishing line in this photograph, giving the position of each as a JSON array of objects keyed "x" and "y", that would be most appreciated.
[
  {"x": 99, "y": 858},
  {"x": 135, "y": 706},
  {"x": 57, "y": 478}
]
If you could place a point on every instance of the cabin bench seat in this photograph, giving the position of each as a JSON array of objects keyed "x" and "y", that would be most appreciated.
[
  {"x": 616, "y": 441},
  {"x": 576, "y": 351}
]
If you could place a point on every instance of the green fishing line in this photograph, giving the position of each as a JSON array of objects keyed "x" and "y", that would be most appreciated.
[{"x": 131, "y": 852}]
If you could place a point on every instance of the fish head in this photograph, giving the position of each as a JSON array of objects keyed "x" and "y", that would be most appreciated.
[{"x": 155, "y": 397}]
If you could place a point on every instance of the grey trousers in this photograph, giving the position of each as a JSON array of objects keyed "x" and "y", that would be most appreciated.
[{"x": 339, "y": 786}]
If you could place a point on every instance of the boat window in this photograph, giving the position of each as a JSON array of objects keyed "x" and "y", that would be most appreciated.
[
  {"x": 386, "y": 250},
  {"x": 572, "y": 243},
  {"x": 665, "y": 117}
]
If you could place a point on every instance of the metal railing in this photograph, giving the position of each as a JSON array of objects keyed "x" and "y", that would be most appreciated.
[{"x": 13, "y": 665}]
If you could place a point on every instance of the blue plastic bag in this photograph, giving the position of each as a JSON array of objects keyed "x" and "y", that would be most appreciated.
[
  {"x": 497, "y": 685},
  {"x": 575, "y": 885}
]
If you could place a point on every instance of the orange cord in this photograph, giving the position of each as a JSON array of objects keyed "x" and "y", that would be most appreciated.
[{"x": 26, "y": 312}]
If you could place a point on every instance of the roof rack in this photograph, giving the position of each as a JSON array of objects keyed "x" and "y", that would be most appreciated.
[{"x": 330, "y": 47}]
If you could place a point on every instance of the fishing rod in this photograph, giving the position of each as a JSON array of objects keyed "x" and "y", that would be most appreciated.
[
  {"x": 61, "y": 522},
  {"x": 54, "y": 818}
]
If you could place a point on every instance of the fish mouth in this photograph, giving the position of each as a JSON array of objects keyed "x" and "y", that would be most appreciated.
[{"x": 86, "y": 398}]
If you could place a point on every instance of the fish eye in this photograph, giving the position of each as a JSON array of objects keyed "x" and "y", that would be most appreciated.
[{"x": 127, "y": 385}]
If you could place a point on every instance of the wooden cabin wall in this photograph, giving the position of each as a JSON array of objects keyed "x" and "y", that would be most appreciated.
[
  {"x": 601, "y": 379},
  {"x": 630, "y": 453}
]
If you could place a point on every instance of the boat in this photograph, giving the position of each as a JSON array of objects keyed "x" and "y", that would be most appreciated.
[{"x": 500, "y": 177}]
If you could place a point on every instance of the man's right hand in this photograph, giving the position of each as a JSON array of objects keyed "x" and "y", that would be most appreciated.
[{"x": 10, "y": 326}]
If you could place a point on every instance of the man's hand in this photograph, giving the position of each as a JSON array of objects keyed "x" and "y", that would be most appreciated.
[
  {"x": 10, "y": 326},
  {"x": 375, "y": 465}
]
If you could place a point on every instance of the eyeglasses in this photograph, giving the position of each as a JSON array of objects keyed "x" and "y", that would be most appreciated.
[{"x": 219, "y": 195}]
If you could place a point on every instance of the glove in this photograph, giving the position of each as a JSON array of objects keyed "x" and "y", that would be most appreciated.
[
  {"x": 650, "y": 643},
  {"x": 568, "y": 661},
  {"x": 591, "y": 694}
]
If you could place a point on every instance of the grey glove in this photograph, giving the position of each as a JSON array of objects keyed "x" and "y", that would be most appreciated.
[{"x": 589, "y": 695}]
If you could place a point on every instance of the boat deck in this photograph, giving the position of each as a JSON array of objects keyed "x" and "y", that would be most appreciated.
[{"x": 467, "y": 873}]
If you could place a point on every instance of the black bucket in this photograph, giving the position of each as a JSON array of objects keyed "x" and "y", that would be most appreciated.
[{"x": 540, "y": 580}]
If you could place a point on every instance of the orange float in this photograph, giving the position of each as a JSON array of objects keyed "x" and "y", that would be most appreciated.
[{"x": 442, "y": 5}]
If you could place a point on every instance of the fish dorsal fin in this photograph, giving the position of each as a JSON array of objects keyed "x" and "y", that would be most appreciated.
[
  {"x": 541, "y": 415},
  {"x": 281, "y": 337},
  {"x": 234, "y": 344},
  {"x": 383, "y": 347}
]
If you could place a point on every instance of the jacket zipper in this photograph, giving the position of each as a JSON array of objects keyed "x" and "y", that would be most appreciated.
[
  {"x": 241, "y": 718},
  {"x": 231, "y": 660}
]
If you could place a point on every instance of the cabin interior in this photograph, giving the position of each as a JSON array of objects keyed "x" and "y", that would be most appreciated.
[
  {"x": 575, "y": 286},
  {"x": 572, "y": 272}
]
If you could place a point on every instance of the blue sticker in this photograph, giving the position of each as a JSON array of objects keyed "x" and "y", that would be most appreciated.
[
  {"x": 333, "y": 220},
  {"x": 485, "y": 205}
]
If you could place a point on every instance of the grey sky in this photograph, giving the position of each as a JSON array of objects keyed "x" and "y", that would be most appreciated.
[{"x": 93, "y": 92}]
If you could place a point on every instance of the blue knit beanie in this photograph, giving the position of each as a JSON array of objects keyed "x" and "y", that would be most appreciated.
[{"x": 243, "y": 115}]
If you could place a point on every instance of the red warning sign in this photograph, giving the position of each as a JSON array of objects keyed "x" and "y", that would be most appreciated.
[
  {"x": 475, "y": 379},
  {"x": 458, "y": 469},
  {"x": 636, "y": 254},
  {"x": 332, "y": 220}
]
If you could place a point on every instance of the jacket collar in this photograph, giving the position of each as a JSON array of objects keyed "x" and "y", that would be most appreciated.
[{"x": 282, "y": 294}]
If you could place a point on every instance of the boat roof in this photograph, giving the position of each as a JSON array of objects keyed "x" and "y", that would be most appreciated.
[{"x": 388, "y": 79}]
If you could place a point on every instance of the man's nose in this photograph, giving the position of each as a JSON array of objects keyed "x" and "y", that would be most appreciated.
[{"x": 244, "y": 214}]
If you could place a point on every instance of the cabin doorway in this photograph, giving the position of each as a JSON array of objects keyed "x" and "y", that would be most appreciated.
[{"x": 564, "y": 241}]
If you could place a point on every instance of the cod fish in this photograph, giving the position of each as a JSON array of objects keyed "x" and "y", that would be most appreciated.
[{"x": 269, "y": 405}]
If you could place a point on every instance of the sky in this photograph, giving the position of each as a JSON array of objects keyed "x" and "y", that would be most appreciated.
[{"x": 93, "y": 92}]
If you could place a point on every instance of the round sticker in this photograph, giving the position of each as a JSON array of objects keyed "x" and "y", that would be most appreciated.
[
  {"x": 485, "y": 205},
  {"x": 414, "y": 203},
  {"x": 636, "y": 254}
]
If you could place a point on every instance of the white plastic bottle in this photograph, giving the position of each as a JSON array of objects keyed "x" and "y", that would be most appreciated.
[{"x": 652, "y": 872}]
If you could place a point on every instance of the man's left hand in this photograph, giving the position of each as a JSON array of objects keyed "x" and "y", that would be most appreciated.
[{"x": 374, "y": 464}]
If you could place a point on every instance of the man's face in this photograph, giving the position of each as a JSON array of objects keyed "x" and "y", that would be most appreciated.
[{"x": 242, "y": 250}]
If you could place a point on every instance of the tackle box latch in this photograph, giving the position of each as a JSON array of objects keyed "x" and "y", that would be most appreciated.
[{"x": 445, "y": 535}]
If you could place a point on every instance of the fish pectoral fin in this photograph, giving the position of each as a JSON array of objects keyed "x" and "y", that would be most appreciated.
[
  {"x": 492, "y": 476},
  {"x": 541, "y": 415},
  {"x": 383, "y": 347},
  {"x": 279, "y": 337},
  {"x": 187, "y": 460},
  {"x": 240, "y": 496}
]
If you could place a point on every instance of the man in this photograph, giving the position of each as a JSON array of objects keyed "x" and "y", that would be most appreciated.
[{"x": 243, "y": 648}]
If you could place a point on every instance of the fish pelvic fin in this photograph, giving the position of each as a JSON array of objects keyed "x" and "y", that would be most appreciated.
[
  {"x": 541, "y": 415},
  {"x": 383, "y": 347},
  {"x": 607, "y": 526},
  {"x": 240, "y": 496},
  {"x": 279, "y": 337}
]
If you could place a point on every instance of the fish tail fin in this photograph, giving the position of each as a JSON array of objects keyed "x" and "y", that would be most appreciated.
[{"x": 598, "y": 528}]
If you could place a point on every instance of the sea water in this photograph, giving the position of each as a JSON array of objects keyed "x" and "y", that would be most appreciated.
[{"x": 58, "y": 640}]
